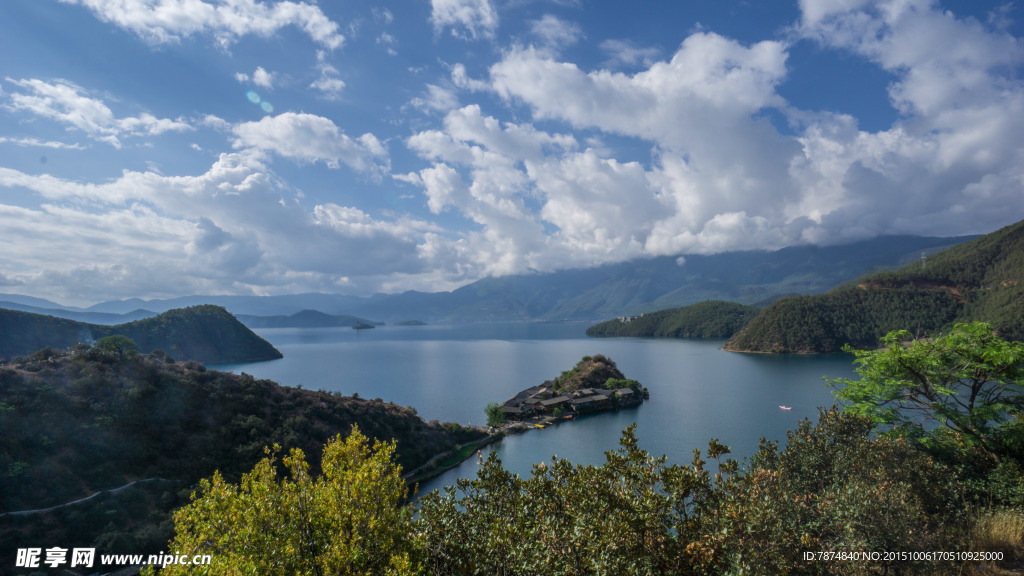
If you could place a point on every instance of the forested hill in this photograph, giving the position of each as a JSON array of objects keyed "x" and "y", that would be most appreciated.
[
  {"x": 708, "y": 319},
  {"x": 208, "y": 334},
  {"x": 76, "y": 423},
  {"x": 979, "y": 280}
]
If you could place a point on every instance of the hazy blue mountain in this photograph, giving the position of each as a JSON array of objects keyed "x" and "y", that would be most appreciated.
[
  {"x": 303, "y": 319},
  {"x": 658, "y": 283},
  {"x": 32, "y": 301},
  {"x": 599, "y": 293},
  {"x": 251, "y": 305},
  {"x": 90, "y": 317}
]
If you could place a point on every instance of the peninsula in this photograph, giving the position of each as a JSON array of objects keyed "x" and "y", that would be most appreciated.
[{"x": 595, "y": 384}]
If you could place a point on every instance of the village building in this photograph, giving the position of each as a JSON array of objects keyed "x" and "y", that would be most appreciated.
[{"x": 540, "y": 401}]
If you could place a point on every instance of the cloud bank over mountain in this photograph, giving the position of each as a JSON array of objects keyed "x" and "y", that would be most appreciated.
[{"x": 370, "y": 149}]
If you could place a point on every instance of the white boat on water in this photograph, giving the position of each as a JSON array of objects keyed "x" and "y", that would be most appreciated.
[{"x": 781, "y": 407}]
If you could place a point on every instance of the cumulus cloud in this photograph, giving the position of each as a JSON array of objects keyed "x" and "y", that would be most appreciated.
[
  {"x": 714, "y": 155},
  {"x": 232, "y": 228},
  {"x": 467, "y": 19},
  {"x": 722, "y": 176},
  {"x": 516, "y": 182},
  {"x": 263, "y": 78},
  {"x": 66, "y": 103},
  {"x": 226, "y": 20},
  {"x": 311, "y": 138},
  {"x": 962, "y": 113}
]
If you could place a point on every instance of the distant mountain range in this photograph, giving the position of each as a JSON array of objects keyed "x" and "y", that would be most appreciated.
[
  {"x": 585, "y": 295},
  {"x": 303, "y": 319}
]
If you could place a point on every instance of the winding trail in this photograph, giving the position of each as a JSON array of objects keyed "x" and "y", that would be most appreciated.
[{"x": 80, "y": 500}]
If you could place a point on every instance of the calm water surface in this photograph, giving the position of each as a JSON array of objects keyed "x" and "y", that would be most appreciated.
[{"x": 451, "y": 372}]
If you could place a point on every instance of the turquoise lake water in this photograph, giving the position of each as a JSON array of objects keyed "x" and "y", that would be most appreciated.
[{"x": 451, "y": 372}]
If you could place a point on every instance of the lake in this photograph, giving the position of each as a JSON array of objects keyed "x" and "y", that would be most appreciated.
[{"x": 451, "y": 372}]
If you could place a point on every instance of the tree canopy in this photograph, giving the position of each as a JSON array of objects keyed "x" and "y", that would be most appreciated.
[
  {"x": 349, "y": 520},
  {"x": 967, "y": 382}
]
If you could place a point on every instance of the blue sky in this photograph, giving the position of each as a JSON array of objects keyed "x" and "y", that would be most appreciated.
[{"x": 156, "y": 148}]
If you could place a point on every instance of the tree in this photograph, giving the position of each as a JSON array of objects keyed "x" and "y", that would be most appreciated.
[
  {"x": 495, "y": 414},
  {"x": 634, "y": 515},
  {"x": 350, "y": 520},
  {"x": 122, "y": 346},
  {"x": 968, "y": 382}
]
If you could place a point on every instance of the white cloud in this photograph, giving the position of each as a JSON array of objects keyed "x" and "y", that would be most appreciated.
[
  {"x": 383, "y": 15},
  {"x": 437, "y": 98},
  {"x": 713, "y": 155},
  {"x": 962, "y": 113},
  {"x": 722, "y": 177},
  {"x": 226, "y": 20},
  {"x": 42, "y": 144},
  {"x": 329, "y": 82},
  {"x": 468, "y": 19},
  {"x": 65, "y": 102},
  {"x": 625, "y": 53},
  {"x": 584, "y": 196},
  {"x": 709, "y": 74},
  {"x": 263, "y": 78},
  {"x": 553, "y": 33},
  {"x": 311, "y": 138},
  {"x": 389, "y": 42},
  {"x": 230, "y": 229},
  {"x": 944, "y": 62},
  {"x": 461, "y": 79}
]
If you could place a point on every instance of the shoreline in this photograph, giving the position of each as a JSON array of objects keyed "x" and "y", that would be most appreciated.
[{"x": 447, "y": 460}]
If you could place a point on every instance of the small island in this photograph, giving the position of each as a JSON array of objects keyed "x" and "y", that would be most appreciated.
[{"x": 595, "y": 384}]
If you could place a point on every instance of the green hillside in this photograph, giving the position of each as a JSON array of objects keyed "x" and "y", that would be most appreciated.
[
  {"x": 708, "y": 319},
  {"x": 979, "y": 280},
  {"x": 596, "y": 371},
  {"x": 76, "y": 423},
  {"x": 206, "y": 333}
]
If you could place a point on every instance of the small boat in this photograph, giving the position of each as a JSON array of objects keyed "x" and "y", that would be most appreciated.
[
  {"x": 781, "y": 407},
  {"x": 539, "y": 425}
]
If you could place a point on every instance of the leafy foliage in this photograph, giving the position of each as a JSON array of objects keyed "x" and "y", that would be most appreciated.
[
  {"x": 122, "y": 346},
  {"x": 77, "y": 423},
  {"x": 590, "y": 372},
  {"x": 708, "y": 319},
  {"x": 970, "y": 382},
  {"x": 633, "y": 515},
  {"x": 833, "y": 487},
  {"x": 346, "y": 521},
  {"x": 495, "y": 414}
]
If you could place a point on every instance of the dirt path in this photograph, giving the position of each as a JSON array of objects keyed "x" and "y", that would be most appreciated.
[{"x": 73, "y": 502}]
